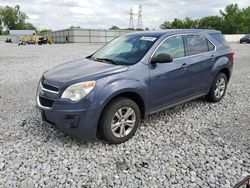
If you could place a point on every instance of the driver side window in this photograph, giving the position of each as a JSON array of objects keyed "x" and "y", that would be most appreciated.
[{"x": 173, "y": 46}]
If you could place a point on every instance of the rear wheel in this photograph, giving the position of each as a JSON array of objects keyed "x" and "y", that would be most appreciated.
[
  {"x": 218, "y": 88},
  {"x": 120, "y": 120}
]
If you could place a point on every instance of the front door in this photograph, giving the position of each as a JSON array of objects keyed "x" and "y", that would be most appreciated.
[{"x": 169, "y": 82}]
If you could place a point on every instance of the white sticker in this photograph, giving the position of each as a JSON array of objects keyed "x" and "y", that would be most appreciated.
[{"x": 148, "y": 38}]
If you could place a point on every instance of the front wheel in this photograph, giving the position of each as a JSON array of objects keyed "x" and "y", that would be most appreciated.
[
  {"x": 218, "y": 88},
  {"x": 119, "y": 120}
]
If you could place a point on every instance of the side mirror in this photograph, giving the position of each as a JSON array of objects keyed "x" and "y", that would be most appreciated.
[{"x": 161, "y": 58}]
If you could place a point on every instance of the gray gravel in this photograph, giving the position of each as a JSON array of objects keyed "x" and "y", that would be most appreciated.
[{"x": 197, "y": 144}]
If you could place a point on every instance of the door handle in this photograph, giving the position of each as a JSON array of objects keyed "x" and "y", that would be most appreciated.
[{"x": 212, "y": 57}]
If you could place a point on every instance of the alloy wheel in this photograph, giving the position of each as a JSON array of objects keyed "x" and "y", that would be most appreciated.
[
  {"x": 123, "y": 122},
  {"x": 220, "y": 87}
]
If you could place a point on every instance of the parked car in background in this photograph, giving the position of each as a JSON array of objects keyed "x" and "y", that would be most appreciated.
[
  {"x": 245, "y": 39},
  {"x": 131, "y": 77}
]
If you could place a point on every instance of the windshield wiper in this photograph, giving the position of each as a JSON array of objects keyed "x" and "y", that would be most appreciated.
[{"x": 107, "y": 60}]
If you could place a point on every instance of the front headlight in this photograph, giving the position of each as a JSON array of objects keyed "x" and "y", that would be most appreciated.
[{"x": 77, "y": 91}]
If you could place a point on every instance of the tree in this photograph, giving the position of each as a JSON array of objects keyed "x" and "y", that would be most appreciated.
[
  {"x": 245, "y": 25},
  {"x": 1, "y": 27},
  {"x": 231, "y": 20},
  {"x": 190, "y": 24},
  {"x": 44, "y": 31},
  {"x": 114, "y": 28},
  {"x": 187, "y": 23},
  {"x": 211, "y": 22},
  {"x": 177, "y": 24},
  {"x": 166, "y": 25},
  {"x": 13, "y": 18},
  {"x": 75, "y": 27}
]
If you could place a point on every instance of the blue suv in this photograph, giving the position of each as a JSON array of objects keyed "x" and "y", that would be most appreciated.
[{"x": 134, "y": 75}]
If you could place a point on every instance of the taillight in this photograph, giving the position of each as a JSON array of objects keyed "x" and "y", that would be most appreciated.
[{"x": 231, "y": 56}]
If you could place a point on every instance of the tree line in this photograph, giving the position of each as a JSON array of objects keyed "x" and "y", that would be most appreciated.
[{"x": 232, "y": 20}]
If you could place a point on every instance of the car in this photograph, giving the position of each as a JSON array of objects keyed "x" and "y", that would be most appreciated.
[
  {"x": 245, "y": 39},
  {"x": 106, "y": 94}
]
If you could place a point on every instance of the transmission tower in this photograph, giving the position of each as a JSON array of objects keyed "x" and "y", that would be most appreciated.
[
  {"x": 131, "y": 19},
  {"x": 139, "y": 21}
]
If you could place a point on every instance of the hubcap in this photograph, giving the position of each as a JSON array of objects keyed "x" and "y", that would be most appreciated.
[
  {"x": 220, "y": 87},
  {"x": 123, "y": 122}
]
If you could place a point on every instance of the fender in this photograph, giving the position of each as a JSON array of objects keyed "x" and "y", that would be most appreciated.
[
  {"x": 117, "y": 87},
  {"x": 221, "y": 63}
]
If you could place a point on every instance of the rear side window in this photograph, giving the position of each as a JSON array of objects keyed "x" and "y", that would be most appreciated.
[
  {"x": 196, "y": 44},
  {"x": 210, "y": 46},
  {"x": 220, "y": 38},
  {"x": 173, "y": 46}
]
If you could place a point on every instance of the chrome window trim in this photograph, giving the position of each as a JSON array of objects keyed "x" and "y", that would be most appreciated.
[
  {"x": 186, "y": 56},
  {"x": 44, "y": 89}
]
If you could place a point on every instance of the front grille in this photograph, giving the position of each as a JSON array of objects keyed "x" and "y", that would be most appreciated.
[
  {"x": 49, "y": 87},
  {"x": 46, "y": 102}
]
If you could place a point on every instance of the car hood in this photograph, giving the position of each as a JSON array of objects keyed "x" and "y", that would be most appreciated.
[{"x": 80, "y": 70}]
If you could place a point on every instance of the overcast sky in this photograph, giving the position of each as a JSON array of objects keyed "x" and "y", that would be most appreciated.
[{"x": 61, "y": 14}]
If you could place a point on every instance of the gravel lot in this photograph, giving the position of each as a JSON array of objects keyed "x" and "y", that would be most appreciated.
[{"x": 197, "y": 144}]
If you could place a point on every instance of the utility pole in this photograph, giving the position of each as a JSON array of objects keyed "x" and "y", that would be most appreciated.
[
  {"x": 139, "y": 21},
  {"x": 131, "y": 19}
]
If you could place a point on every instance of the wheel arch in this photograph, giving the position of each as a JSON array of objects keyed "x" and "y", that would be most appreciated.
[
  {"x": 226, "y": 72},
  {"x": 134, "y": 96}
]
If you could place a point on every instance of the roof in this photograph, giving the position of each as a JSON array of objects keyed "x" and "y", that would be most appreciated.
[
  {"x": 159, "y": 33},
  {"x": 22, "y": 32}
]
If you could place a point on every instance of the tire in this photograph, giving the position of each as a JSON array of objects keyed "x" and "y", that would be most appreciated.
[
  {"x": 114, "y": 115},
  {"x": 218, "y": 88}
]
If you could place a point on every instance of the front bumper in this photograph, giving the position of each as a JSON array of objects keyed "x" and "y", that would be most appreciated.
[
  {"x": 77, "y": 119},
  {"x": 76, "y": 123}
]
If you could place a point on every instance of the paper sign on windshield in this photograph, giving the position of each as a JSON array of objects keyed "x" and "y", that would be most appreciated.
[{"x": 148, "y": 38}]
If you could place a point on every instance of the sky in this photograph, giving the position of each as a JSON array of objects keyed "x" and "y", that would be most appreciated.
[{"x": 61, "y": 14}]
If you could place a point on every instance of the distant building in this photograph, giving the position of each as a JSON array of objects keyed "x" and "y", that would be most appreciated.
[
  {"x": 16, "y": 35},
  {"x": 78, "y": 35}
]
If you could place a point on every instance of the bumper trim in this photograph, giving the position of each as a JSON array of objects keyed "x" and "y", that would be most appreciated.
[{"x": 39, "y": 104}]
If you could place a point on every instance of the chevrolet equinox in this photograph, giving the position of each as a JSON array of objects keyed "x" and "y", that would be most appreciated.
[{"x": 132, "y": 76}]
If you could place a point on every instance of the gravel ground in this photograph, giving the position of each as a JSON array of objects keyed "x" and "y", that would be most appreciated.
[{"x": 197, "y": 144}]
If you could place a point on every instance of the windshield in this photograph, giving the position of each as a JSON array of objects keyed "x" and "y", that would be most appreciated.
[{"x": 125, "y": 50}]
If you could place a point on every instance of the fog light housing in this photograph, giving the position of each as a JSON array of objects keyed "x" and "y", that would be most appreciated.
[{"x": 72, "y": 121}]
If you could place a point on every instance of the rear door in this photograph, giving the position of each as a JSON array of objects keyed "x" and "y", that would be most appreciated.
[{"x": 200, "y": 58}]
